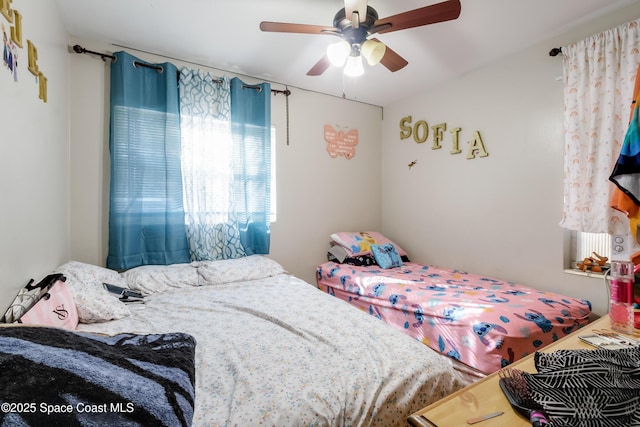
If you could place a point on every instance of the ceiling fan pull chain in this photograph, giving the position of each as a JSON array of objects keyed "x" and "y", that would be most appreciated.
[{"x": 344, "y": 95}]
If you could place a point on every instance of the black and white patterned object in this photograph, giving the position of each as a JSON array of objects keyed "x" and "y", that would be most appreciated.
[
  {"x": 360, "y": 260},
  {"x": 588, "y": 388}
]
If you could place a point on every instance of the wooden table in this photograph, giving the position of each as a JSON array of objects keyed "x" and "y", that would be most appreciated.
[{"x": 485, "y": 397}]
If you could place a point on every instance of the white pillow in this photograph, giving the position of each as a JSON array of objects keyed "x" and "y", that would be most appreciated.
[
  {"x": 93, "y": 302},
  {"x": 153, "y": 279},
  {"x": 251, "y": 267}
]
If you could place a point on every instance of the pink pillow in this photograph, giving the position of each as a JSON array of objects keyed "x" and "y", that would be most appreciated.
[{"x": 359, "y": 242}]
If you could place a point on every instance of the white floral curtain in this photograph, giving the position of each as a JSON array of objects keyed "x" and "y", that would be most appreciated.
[
  {"x": 207, "y": 172},
  {"x": 599, "y": 77}
]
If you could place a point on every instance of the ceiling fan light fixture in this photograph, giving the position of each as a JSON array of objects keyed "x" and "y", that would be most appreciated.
[
  {"x": 338, "y": 52},
  {"x": 355, "y": 22},
  {"x": 373, "y": 51},
  {"x": 354, "y": 66}
]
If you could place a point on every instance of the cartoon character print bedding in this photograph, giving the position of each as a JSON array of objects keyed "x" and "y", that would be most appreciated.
[{"x": 480, "y": 321}]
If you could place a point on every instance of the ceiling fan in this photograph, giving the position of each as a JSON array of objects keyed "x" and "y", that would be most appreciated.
[{"x": 355, "y": 24}]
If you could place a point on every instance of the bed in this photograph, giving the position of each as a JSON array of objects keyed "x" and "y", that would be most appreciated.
[
  {"x": 268, "y": 348},
  {"x": 482, "y": 322}
]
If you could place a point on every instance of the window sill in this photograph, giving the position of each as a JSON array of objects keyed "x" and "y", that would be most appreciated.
[{"x": 599, "y": 276}]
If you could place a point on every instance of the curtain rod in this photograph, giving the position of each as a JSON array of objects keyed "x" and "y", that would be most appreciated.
[
  {"x": 245, "y": 75},
  {"x": 79, "y": 49},
  {"x": 555, "y": 51}
]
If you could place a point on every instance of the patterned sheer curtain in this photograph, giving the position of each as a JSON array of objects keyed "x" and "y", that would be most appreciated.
[
  {"x": 207, "y": 166},
  {"x": 599, "y": 75}
]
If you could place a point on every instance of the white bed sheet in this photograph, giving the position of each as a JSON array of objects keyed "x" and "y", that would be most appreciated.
[{"x": 278, "y": 351}]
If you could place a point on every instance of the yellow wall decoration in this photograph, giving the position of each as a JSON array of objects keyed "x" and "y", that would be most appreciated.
[
  {"x": 6, "y": 11},
  {"x": 420, "y": 133},
  {"x": 14, "y": 18},
  {"x": 33, "y": 68}
]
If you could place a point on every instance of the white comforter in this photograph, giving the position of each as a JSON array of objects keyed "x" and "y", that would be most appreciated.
[{"x": 277, "y": 351}]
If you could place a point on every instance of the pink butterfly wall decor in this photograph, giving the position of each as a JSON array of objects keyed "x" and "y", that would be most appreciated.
[{"x": 341, "y": 143}]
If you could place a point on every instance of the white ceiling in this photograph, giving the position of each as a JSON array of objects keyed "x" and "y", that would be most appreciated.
[{"x": 225, "y": 35}]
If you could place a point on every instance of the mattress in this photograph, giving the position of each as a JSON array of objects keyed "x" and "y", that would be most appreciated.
[
  {"x": 482, "y": 322},
  {"x": 274, "y": 350}
]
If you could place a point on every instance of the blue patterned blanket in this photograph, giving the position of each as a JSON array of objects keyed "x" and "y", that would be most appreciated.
[{"x": 53, "y": 377}]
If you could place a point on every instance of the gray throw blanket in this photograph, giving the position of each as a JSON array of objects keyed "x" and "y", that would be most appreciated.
[{"x": 55, "y": 377}]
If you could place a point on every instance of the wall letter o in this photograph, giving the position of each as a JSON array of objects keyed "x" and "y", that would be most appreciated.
[{"x": 416, "y": 131}]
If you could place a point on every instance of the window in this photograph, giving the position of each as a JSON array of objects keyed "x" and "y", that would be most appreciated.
[
  {"x": 272, "y": 214},
  {"x": 140, "y": 162},
  {"x": 584, "y": 244},
  {"x": 210, "y": 165}
]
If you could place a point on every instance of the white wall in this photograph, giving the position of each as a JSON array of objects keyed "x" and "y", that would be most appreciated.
[
  {"x": 316, "y": 194},
  {"x": 34, "y": 154},
  {"x": 496, "y": 215}
]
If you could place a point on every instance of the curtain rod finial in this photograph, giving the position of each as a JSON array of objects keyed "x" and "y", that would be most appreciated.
[{"x": 555, "y": 51}]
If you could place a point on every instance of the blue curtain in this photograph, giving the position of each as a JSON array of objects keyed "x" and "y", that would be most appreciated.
[
  {"x": 251, "y": 133},
  {"x": 146, "y": 215}
]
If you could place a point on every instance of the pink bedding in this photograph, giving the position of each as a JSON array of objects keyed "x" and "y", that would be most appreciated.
[{"x": 482, "y": 322}]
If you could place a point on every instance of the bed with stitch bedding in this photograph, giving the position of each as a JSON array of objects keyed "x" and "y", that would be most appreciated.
[
  {"x": 483, "y": 322},
  {"x": 270, "y": 349}
]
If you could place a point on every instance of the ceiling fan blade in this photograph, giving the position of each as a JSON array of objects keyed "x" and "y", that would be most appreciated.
[
  {"x": 320, "y": 67},
  {"x": 392, "y": 60},
  {"x": 283, "y": 27},
  {"x": 439, "y": 12},
  {"x": 359, "y": 6}
]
